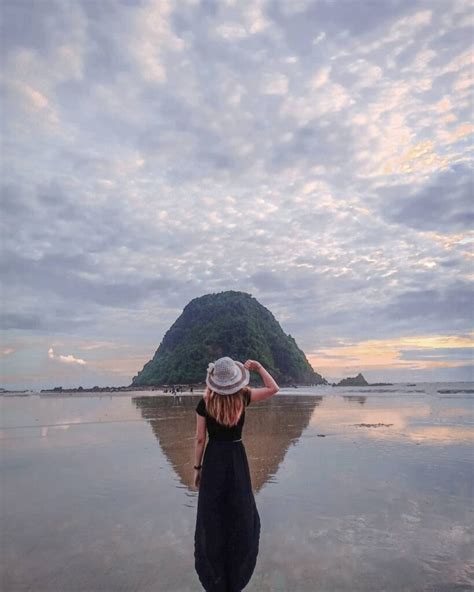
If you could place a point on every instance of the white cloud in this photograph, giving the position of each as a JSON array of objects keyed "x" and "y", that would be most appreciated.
[
  {"x": 405, "y": 28},
  {"x": 308, "y": 107},
  {"x": 275, "y": 84},
  {"x": 295, "y": 7},
  {"x": 6, "y": 351},
  {"x": 319, "y": 38},
  {"x": 321, "y": 77},
  {"x": 254, "y": 16},
  {"x": 69, "y": 359},
  {"x": 152, "y": 37},
  {"x": 231, "y": 31}
]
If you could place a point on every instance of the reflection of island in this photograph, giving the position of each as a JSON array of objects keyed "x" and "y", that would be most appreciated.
[{"x": 270, "y": 428}]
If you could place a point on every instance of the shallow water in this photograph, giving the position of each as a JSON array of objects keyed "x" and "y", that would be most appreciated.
[{"x": 358, "y": 489}]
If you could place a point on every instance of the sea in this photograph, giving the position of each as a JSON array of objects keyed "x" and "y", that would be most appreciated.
[{"x": 359, "y": 489}]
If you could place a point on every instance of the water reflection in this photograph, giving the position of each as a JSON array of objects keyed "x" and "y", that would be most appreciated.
[
  {"x": 421, "y": 420},
  {"x": 271, "y": 427},
  {"x": 355, "y": 399},
  {"x": 93, "y": 499}
]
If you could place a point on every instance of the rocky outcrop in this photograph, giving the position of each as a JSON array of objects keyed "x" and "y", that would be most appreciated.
[{"x": 358, "y": 380}]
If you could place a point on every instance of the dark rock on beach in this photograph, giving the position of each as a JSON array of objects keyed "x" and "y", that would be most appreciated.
[
  {"x": 358, "y": 380},
  {"x": 373, "y": 425},
  {"x": 455, "y": 391}
]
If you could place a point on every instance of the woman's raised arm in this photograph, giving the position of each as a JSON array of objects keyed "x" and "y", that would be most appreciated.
[{"x": 271, "y": 387}]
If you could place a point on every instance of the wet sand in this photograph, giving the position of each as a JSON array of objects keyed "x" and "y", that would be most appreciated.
[{"x": 358, "y": 489}]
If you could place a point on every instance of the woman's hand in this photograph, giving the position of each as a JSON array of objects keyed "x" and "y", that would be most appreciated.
[
  {"x": 253, "y": 365},
  {"x": 197, "y": 477}
]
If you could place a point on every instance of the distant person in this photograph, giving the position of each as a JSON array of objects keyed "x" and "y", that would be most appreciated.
[
  {"x": 227, "y": 532},
  {"x": 191, "y": 390}
]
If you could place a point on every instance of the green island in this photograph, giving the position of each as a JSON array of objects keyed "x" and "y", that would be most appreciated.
[{"x": 231, "y": 324}]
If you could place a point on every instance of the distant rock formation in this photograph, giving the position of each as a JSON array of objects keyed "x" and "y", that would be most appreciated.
[
  {"x": 226, "y": 324},
  {"x": 358, "y": 380}
]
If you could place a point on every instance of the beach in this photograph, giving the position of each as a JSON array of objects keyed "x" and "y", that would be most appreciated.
[{"x": 358, "y": 489}]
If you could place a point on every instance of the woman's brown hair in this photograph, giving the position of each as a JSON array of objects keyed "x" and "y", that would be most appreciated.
[{"x": 226, "y": 409}]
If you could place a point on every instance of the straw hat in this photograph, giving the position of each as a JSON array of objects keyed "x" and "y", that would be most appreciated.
[{"x": 226, "y": 376}]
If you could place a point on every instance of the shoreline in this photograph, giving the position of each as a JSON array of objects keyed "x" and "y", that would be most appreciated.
[{"x": 400, "y": 389}]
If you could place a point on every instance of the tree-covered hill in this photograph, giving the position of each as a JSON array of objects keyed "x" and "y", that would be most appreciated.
[{"x": 225, "y": 324}]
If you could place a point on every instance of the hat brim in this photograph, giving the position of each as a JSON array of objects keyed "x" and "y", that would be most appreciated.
[{"x": 230, "y": 389}]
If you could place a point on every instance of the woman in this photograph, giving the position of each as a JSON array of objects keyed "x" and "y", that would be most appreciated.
[{"x": 227, "y": 522}]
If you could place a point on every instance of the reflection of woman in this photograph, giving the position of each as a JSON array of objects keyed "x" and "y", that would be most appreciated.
[{"x": 227, "y": 531}]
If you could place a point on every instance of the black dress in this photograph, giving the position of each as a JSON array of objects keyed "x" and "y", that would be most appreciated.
[{"x": 227, "y": 531}]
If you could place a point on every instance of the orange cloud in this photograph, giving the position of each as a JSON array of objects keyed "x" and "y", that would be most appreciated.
[
  {"x": 386, "y": 353},
  {"x": 419, "y": 157}
]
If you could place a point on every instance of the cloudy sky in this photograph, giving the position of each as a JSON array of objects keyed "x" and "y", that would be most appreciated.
[{"x": 314, "y": 153}]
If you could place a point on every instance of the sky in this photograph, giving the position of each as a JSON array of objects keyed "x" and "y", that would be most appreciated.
[{"x": 315, "y": 154}]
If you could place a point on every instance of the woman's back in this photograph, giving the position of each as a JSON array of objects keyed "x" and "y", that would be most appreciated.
[
  {"x": 220, "y": 432},
  {"x": 227, "y": 534}
]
